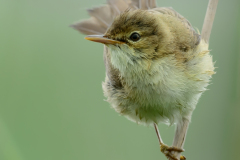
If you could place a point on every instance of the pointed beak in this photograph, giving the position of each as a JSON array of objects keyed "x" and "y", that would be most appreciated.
[{"x": 102, "y": 39}]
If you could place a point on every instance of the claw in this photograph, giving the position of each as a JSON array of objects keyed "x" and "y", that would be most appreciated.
[
  {"x": 167, "y": 151},
  {"x": 170, "y": 157},
  {"x": 182, "y": 157},
  {"x": 175, "y": 149}
]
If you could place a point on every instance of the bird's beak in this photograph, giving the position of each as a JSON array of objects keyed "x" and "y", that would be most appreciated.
[{"x": 102, "y": 39}]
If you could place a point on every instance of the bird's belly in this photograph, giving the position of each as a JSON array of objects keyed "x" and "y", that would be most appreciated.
[
  {"x": 165, "y": 92},
  {"x": 147, "y": 104}
]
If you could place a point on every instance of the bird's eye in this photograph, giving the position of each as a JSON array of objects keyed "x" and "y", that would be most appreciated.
[{"x": 135, "y": 37}]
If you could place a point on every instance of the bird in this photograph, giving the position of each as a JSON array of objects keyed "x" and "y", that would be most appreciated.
[{"x": 157, "y": 64}]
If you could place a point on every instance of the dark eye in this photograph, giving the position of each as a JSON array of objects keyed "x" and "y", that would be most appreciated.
[{"x": 135, "y": 37}]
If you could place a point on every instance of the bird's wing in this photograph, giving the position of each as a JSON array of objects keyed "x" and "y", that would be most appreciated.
[
  {"x": 112, "y": 73},
  {"x": 103, "y": 16},
  {"x": 195, "y": 37}
]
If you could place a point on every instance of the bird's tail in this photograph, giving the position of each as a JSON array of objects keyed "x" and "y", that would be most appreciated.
[{"x": 103, "y": 16}]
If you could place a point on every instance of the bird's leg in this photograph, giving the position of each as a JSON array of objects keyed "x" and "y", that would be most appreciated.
[
  {"x": 166, "y": 150},
  {"x": 158, "y": 134},
  {"x": 180, "y": 135}
]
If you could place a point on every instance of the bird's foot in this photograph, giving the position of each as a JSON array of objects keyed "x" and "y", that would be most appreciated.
[{"x": 169, "y": 152}]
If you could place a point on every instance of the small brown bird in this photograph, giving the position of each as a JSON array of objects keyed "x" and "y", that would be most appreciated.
[{"x": 157, "y": 65}]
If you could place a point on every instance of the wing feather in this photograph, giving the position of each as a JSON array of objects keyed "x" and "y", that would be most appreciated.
[
  {"x": 112, "y": 73},
  {"x": 170, "y": 11}
]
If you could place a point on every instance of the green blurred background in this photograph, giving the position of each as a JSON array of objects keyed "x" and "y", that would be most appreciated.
[{"x": 51, "y": 101}]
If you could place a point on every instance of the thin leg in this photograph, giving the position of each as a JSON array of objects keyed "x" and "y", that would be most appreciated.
[
  {"x": 158, "y": 134},
  {"x": 166, "y": 150},
  {"x": 180, "y": 136}
]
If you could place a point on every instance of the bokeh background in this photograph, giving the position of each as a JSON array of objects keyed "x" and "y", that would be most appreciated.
[{"x": 51, "y": 101}]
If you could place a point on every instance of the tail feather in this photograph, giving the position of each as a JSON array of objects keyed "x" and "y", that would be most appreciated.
[
  {"x": 90, "y": 26},
  {"x": 103, "y": 16},
  {"x": 144, "y": 4},
  {"x": 118, "y": 6}
]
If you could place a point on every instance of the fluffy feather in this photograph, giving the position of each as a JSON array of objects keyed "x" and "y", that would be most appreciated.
[
  {"x": 160, "y": 76},
  {"x": 164, "y": 92},
  {"x": 161, "y": 83}
]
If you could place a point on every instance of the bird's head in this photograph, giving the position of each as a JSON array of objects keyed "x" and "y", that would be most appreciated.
[
  {"x": 132, "y": 38},
  {"x": 141, "y": 37}
]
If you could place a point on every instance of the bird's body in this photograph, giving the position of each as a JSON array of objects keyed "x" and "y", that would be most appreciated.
[
  {"x": 162, "y": 82},
  {"x": 164, "y": 91},
  {"x": 157, "y": 66}
]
